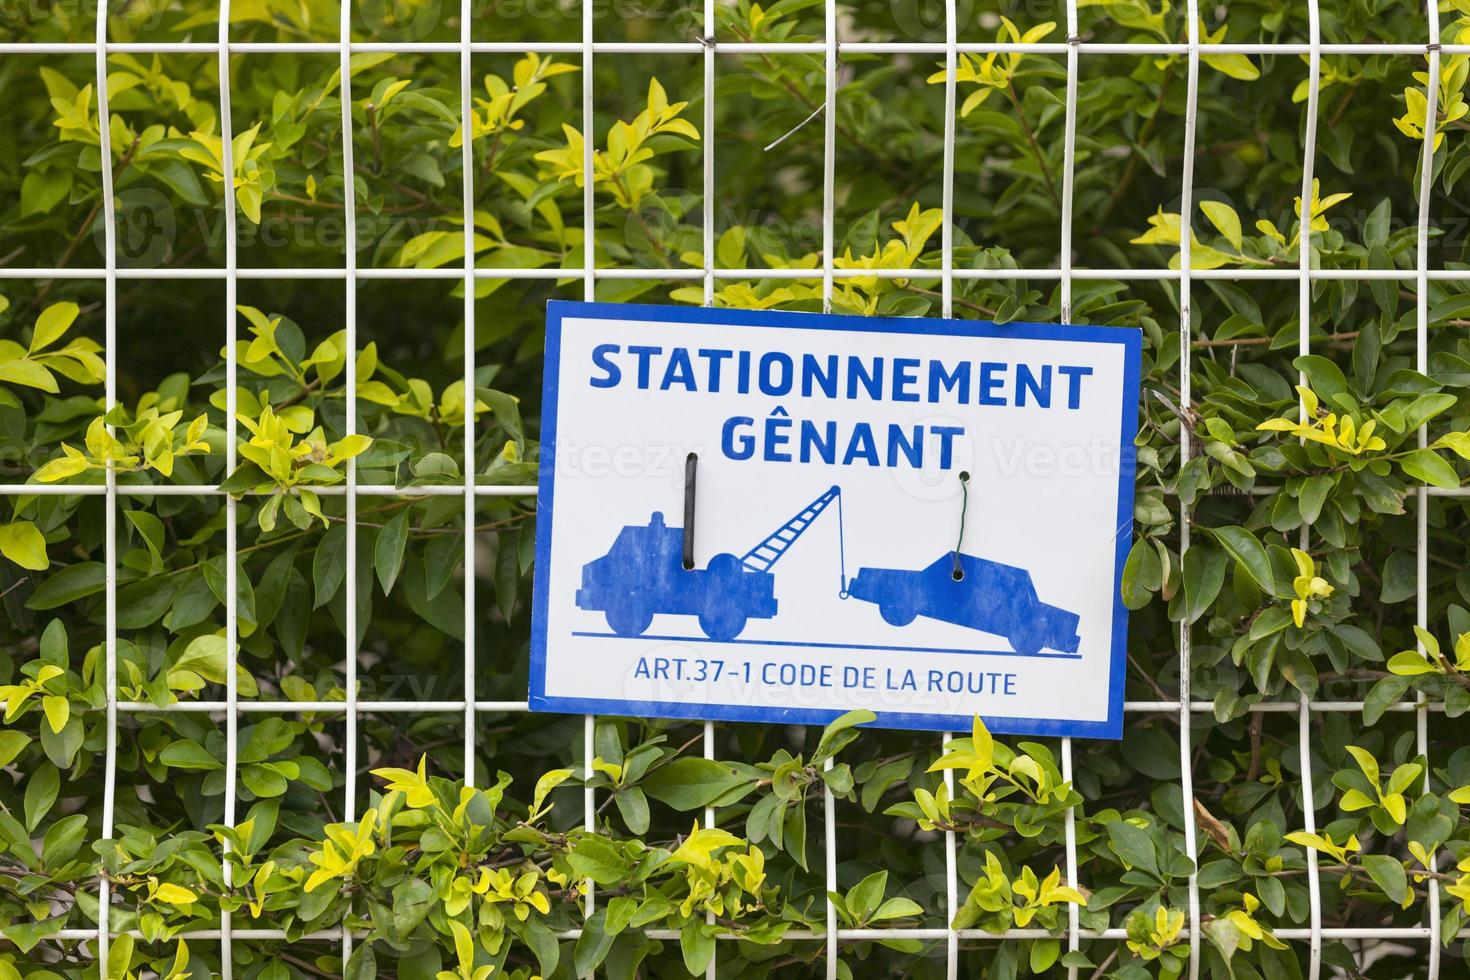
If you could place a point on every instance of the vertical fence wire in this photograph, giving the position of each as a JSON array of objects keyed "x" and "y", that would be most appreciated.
[
  {"x": 1186, "y": 337},
  {"x": 946, "y": 249},
  {"x": 951, "y": 71},
  {"x": 1421, "y": 343},
  {"x": 707, "y": 214},
  {"x": 350, "y": 583},
  {"x": 109, "y": 353},
  {"x": 232, "y": 748},
  {"x": 829, "y": 251},
  {"x": 1064, "y": 260},
  {"x": 951, "y": 883},
  {"x": 707, "y": 153},
  {"x": 467, "y": 190},
  {"x": 589, "y": 293},
  {"x": 829, "y": 152},
  {"x": 1304, "y": 347}
]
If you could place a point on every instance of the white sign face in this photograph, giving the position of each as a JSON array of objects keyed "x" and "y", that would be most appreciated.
[{"x": 927, "y": 518}]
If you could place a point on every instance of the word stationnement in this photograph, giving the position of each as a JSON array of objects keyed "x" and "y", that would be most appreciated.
[{"x": 926, "y": 518}]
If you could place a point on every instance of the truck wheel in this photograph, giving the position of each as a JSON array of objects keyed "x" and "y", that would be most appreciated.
[
  {"x": 896, "y": 615},
  {"x": 629, "y": 620},
  {"x": 722, "y": 624}
]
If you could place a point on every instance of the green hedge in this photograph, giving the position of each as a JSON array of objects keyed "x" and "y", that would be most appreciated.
[{"x": 1301, "y": 494}]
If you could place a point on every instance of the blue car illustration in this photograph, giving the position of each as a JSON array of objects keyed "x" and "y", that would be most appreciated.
[{"x": 975, "y": 593}]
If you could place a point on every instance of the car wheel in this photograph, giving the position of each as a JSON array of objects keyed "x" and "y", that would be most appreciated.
[{"x": 1026, "y": 641}]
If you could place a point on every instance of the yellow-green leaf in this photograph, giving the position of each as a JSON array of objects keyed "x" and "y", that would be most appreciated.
[
  {"x": 546, "y": 784},
  {"x": 174, "y": 894},
  {"x": 1408, "y": 663},
  {"x": 22, "y": 543},
  {"x": 1224, "y": 218},
  {"x": 58, "y": 711},
  {"x": 54, "y": 321}
]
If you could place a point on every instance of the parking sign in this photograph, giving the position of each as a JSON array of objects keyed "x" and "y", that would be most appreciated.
[{"x": 927, "y": 518}]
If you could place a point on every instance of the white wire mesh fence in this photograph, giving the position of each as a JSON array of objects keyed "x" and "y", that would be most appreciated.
[{"x": 1189, "y": 713}]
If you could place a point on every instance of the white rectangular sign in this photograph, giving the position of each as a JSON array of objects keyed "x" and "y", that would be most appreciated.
[{"x": 927, "y": 518}]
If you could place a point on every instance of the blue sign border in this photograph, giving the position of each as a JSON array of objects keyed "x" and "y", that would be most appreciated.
[{"x": 1131, "y": 340}]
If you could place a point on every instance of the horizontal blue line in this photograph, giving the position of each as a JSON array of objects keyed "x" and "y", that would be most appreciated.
[{"x": 837, "y": 646}]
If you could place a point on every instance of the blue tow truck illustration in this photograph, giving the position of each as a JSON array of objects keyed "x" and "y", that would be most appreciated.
[{"x": 642, "y": 575}]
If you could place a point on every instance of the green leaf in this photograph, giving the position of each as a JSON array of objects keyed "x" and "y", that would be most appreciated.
[
  {"x": 1400, "y": 577},
  {"x": 508, "y": 413},
  {"x": 63, "y": 839},
  {"x": 698, "y": 947},
  {"x": 42, "y": 190},
  {"x": 1313, "y": 495},
  {"x": 593, "y": 944},
  {"x": 1429, "y": 467},
  {"x": 542, "y": 943},
  {"x": 41, "y": 790},
  {"x": 507, "y": 573},
  {"x": 391, "y": 546},
  {"x": 1388, "y": 874},
  {"x": 363, "y": 964},
  {"x": 839, "y": 732},
  {"x": 62, "y": 747},
  {"x": 1134, "y": 846},
  {"x": 1204, "y": 573},
  {"x": 632, "y": 804},
  {"x": 68, "y": 585},
  {"x": 866, "y": 895},
  {"x": 12, "y": 743},
  {"x": 188, "y": 754},
  {"x": 1135, "y": 591},
  {"x": 1044, "y": 953},
  {"x": 1388, "y": 691},
  {"x": 150, "y": 528},
  {"x": 207, "y": 656},
  {"x": 897, "y": 907},
  {"x": 692, "y": 783},
  {"x": 23, "y": 543},
  {"x": 329, "y": 565},
  {"x": 620, "y": 913},
  {"x": 730, "y": 249},
  {"x": 599, "y": 859},
  {"x": 1323, "y": 375},
  {"x": 263, "y": 781},
  {"x": 1247, "y": 549},
  {"x": 412, "y": 902}
]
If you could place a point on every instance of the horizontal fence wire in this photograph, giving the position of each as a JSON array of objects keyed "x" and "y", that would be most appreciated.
[
  {"x": 1280, "y": 273},
  {"x": 708, "y": 47},
  {"x": 455, "y": 705},
  {"x": 1138, "y": 49}
]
